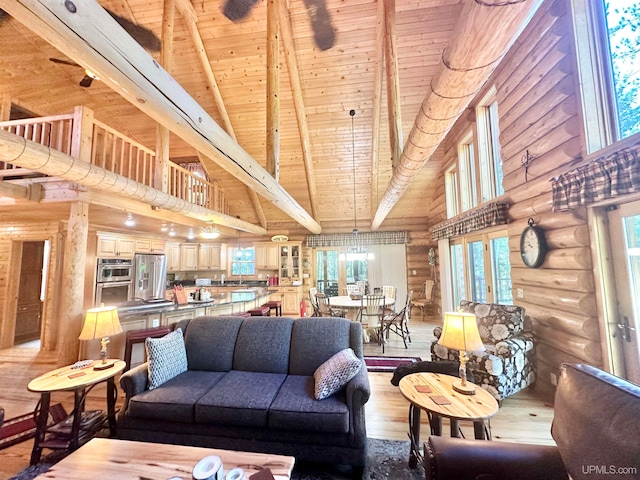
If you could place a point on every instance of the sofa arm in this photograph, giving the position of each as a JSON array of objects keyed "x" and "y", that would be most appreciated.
[
  {"x": 459, "y": 459},
  {"x": 358, "y": 389},
  {"x": 135, "y": 381}
]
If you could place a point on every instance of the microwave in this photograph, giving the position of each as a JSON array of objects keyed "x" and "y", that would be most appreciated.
[{"x": 114, "y": 270}]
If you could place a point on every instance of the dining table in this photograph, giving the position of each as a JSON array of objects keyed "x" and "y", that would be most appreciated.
[{"x": 353, "y": 307}]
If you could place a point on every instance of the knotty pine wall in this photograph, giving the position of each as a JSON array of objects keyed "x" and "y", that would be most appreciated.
[{"x": 538, "y": 109}]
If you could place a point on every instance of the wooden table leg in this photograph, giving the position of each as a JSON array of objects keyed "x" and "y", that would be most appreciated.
[
  {"x": 454, "y": 427},
  {"x": 480, "y": 431},
  {"x": 79, "y": 397},
  {"x": 41, "y": 427},
  {"x": 112, "y": 396},
  {"x": 414, "y": 435}
]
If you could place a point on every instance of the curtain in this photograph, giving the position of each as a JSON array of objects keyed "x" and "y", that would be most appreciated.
[
  {"x": 389, "y": 267},
  {"x": 477, "y": 219}
]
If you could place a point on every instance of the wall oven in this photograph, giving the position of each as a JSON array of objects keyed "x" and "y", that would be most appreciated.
[{"x": 114, "y": 281}]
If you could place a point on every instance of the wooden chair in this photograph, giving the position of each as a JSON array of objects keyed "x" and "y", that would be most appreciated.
[
  {"x": 352, "y": 289},
  {"x": 362, "y": 286},
  {"x": 313, "y": 291},
  {"x": 389, "y": 291},
  {"x": 325, "y": 308},
  {"x": 371, "y": 311},
  {"x": 397, "y": 323},
  {"x": 428, "y": 299}
]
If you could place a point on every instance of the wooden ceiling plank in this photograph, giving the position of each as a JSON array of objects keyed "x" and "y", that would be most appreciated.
[
  {"x": 288, "y": 46},
  {"x": 393, "y": 82},
  {"x": 481, "y": 38},
  {"x": 92, "y": 38}
]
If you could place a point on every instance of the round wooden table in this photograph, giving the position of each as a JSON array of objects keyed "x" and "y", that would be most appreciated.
[
  {"x": 434, "y": 393},
  {"x": 80, "y": 381},
  {"x": 353, "y": 308}
]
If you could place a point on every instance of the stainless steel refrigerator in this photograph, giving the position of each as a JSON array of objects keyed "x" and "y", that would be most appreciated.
[{"x": 149, "y": 281}]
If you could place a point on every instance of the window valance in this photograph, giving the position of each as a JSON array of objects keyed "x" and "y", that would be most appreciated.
[
  {"x": 605, "y": 177},
  {"x": 366, "y": 238},
  {"x": 486, "y": 216}
]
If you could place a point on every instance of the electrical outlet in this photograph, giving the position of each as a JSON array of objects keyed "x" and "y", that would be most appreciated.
[
  {"x": 520, "y": 293},
  {"x": 414, "y": 272},
  {"x": 554, "y": 379},
  {"x": 155, "y": 322}
]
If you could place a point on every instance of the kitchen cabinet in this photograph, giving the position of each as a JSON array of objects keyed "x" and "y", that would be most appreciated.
[
  {"x": 115, "y": 246},
  {"x": 290, "y": 260},
  {"x": 189, "y": 256},
  {"x": 174, "y": 317},
  {"x": 148, "y": 245},
  {"x": 212, "y": 256},
  {"x": 173, "y": 257},
  {"x": 290, "y": 298},
  {"x": 267, "y": 256}
]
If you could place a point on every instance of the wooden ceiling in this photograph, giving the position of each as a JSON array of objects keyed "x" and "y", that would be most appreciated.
[{"x": 333, "y": 81}]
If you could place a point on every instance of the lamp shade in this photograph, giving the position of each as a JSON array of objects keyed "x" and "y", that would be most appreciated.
[
  {"x": 460, "y": 332},
  {"x": 100, "y": 322}
]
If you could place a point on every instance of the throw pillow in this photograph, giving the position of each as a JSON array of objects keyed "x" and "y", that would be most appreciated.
[
  {"x": 167, "y": 357},
  {"x": 335, "y": 373}
]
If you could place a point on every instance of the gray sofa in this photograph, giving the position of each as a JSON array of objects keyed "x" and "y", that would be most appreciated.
[{"x": 250, "y": 386}]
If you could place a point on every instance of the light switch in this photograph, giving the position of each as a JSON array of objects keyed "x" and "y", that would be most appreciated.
[{"x": 519, "y": 293}]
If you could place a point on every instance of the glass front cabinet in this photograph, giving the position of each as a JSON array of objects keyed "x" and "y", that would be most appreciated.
[{"x": 290, "y": 260}]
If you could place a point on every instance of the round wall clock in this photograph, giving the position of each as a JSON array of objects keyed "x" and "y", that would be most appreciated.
[{"x": 533, "y": 245}]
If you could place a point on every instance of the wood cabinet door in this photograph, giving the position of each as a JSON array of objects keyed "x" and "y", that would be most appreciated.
[
  {"x": 204, "y": 257},
  {"x": 107, "y": 247},
  {"x": 126, "y": 247},
  {"x": 291, "y": 304},
  {"x": 261, "y": 255},
  {"x": 173, "y": 256},
  {"x": 29, "y": 308},
  {"x": 271, "y": 257},
  {"x": 189, "y": 257}
]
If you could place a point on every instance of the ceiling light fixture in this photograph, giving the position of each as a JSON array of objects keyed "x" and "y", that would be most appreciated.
[
  {"x": 209, "y": 232},
  {"x": 164, "y": 227},
  {"x": 357, "y": 252},
  {"x": 191, "y": 235},
  {"x": 130, "y": 222}
]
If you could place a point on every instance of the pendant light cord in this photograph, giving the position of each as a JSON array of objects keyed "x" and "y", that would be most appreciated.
[{"x": 353, "y": 164}]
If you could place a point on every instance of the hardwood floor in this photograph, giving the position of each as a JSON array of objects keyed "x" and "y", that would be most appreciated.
[{"x": 522, "y": 418}]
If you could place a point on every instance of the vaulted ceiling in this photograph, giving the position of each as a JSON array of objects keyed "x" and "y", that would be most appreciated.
[{"x": 333, "y": 81}]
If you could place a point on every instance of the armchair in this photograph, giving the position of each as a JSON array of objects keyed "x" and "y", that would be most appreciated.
[
  {"x": 595, "y": 427},
  {"x": 508, "y": 363}
]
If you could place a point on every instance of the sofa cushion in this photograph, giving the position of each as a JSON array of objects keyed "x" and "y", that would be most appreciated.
[
  {"x": 335, "y": 373},
  {"x": 240, "y": 398},
  {"x": 296, "y": 409},
  {"x": 316, "y": 339},
  {"x": 210, "y": 343},
  {"x": 167, "y": 358},
  {"x": 175, "y": 400},
  {"x": 263, "y": 345}
]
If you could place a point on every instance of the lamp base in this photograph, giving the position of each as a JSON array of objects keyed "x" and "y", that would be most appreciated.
[{"x": 468, "y": 389}]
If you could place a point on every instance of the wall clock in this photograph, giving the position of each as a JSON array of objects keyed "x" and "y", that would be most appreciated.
[{"x": 533, "y": 245}]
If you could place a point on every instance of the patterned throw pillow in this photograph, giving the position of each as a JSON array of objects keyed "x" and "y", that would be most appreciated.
[
  {"x": 167, "y": 357},
  {"x": 335, "y": 373}
]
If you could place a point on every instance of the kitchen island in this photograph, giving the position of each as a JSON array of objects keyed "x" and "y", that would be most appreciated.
[{"x": 142, "y": 315}]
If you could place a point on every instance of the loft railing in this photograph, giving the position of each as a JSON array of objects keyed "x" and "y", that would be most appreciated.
[{"x": 113, "y": 151}]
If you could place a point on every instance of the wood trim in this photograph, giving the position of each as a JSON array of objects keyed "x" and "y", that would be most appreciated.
[
  {"x": 393, "y": 81},
  {"x": 273, "y": 89}
]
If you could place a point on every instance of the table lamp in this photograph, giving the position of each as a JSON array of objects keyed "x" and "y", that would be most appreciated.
[
  {"x": 460, "y": 332},
  {"x": 101, "y": 322}
]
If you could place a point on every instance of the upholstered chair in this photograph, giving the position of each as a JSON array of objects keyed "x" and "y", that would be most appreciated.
[{"x": 508, "y": 363}]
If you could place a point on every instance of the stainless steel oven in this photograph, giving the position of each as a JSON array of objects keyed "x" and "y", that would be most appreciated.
[
  {"x": 114, "y": 293},
  {"x": 114, "y": 270}
]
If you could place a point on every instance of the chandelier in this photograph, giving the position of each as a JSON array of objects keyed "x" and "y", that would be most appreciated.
[
  {"x": 357, "y": 252},
  {"x": 209, "y": 232}
]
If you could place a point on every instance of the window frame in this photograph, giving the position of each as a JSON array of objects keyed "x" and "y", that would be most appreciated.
[
  {"x": 233, "y": 261},
  {"x": 489, "y": 157}
]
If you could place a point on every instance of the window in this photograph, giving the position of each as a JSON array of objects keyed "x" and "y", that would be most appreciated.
[
  {"x": 451, "y": 191},
  {"x": 243, "y": 261},
  {"x": 467, "y": 166},
  {"x": 607, "y": 44},
  {"x": 490, "y": 161},
  {"x": 480, "y": 268}
]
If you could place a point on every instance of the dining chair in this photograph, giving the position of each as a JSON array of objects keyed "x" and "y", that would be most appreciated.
[
  {"x": 371, "y": 311},
  {"x": 313, "y": 292},
  {"x": 362, "y": 286},
  {"x": 389, "y": 291},
  {"x": 352, "y": 289},
  {"x": 428, "y": 299},
  {"x": 325, "y": 308},
  {"x": 397, "y": 323}
]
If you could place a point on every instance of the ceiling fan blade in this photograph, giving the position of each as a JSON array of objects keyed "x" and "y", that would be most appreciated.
[
  {"x": 145, "y": 37},
  {"x": 323, "y": 32},
  {"x": 86, "y": 81},
  {"x": 236, "y": 10},
  {"x": 64, "y": 62}
]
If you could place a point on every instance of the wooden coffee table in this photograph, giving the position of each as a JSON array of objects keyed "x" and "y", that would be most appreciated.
[
  {"x": 477, "y": 408},
  {"x": 123, "y": 459}
]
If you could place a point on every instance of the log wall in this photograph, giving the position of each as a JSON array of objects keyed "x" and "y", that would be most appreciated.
[{"x": 537, "y": 104}]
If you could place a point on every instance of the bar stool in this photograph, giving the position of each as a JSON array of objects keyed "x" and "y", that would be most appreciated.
[
  {"x": 260, "y": 312},
  {"x": 244, "y": 314},
  {"x": 275, "y": 305}
]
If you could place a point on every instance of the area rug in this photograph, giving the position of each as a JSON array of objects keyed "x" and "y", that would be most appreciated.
[
  {"x": 386, "y": 459},
  {"x": 387, "y": 364}
]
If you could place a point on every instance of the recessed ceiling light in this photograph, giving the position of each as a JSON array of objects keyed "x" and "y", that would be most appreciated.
[{"x": 130, "y": 222}]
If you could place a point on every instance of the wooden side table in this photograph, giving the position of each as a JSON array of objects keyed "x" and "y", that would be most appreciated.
[
  {"x": 421, "y": 388},
  {"x": 80, "y": 382}
]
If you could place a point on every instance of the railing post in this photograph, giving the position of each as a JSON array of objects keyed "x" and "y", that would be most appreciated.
[
  {"x": 82, "y": 137},
  {"x": 161, "y": 167}
]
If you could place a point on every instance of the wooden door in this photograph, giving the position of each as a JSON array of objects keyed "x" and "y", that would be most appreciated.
[{"x": 29, "y": 307}]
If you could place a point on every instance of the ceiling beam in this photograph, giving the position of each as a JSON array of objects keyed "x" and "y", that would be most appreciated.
[
  {"x": 393, "y": 82},
  {"x": 377, "y": 105},
  {"x": 484, "y": 33},
  {"x": 289, "y": 48},
  {"x": 40, "y": 158},
  {"x": 86, "y": 33},
  {"x": 273, "y": 89},
  {"x": 190, "y": 17}
]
